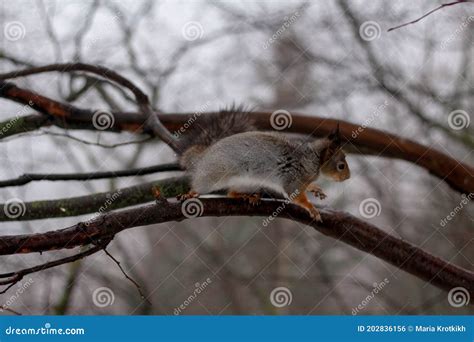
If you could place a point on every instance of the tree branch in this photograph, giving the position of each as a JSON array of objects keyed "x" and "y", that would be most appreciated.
[
  {"x": 152, "y": 122},
  {"x": 427, "y": 14},
  {"x": 81, "y": 205},
  {"x": 133, "y": 281},
  {"x": 14, "y": 277},
  {"x": 338, "y": 225},
  {"x": 86, "y": 176},
  {"x": 22, "y": 124},
  {"x": 93, "y": 143}
]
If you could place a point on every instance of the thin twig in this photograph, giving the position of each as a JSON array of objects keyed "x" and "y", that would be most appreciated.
[
  {"x": 4, "y": 308},
  {"x": 86, "y": 176},
  {"x": 427, "y": 14},
  {"x": 139, "y": 289},
  {"x": 13, "y": 278},
  {"x": 86, "y": 142},
  {"x": 67, "y": 135}
]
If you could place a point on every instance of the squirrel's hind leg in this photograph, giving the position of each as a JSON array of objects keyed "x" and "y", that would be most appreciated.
[
  {"x": 188, "y": 195},
  {"x": 253, "y": 199},
  {"x": 303, "y": 201}
]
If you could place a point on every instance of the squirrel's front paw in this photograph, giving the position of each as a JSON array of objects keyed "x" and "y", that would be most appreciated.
[
  {"x": 317, "y": 191},
  {"x": 319, "y": 194}
]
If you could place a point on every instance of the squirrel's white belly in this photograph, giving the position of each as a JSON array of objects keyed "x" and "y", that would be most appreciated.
[{"x": 248, "y": 184}]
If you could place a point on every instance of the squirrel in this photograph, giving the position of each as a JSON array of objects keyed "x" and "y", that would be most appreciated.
[{"x": 224, "y": 151}]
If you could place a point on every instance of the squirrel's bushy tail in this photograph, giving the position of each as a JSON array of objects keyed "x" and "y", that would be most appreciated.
[{"x": 209, "y": 128}]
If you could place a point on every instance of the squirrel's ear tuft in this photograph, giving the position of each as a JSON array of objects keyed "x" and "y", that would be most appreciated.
[
  {"x": 333, "y": 143},
  {"x": 335, "y": 136}
]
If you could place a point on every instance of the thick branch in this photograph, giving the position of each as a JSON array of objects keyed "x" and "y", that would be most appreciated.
[
  {"x": 110, "y": 200},
  {"x": 22, "y": 124},
  {"x": 338, "y": 225}
]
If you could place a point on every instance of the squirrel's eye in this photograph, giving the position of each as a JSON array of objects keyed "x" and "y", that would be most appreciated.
[{"x": 341, "y": 166}]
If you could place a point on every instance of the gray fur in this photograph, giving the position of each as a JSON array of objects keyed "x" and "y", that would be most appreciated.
[
  {"x": 210, "y": 128},
  {"x": 250, "y": 161}
]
